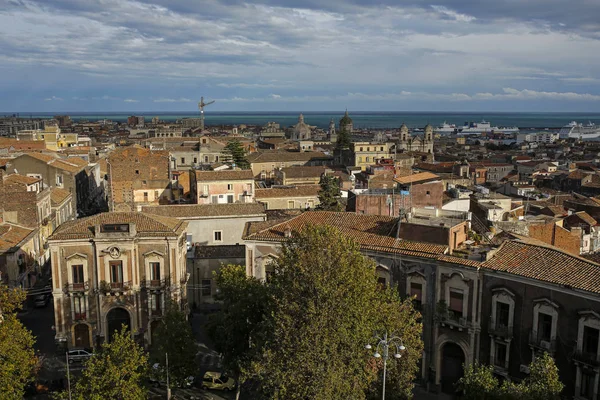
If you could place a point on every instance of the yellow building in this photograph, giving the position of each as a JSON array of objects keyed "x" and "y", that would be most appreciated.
[
  {"x": 366, "y": 153},
  {"x": 52, "y": 137}
]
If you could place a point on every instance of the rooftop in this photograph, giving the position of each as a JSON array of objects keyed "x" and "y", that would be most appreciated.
[
  {"x": 58, "y": 196},
  {"x": 225, "y": 175},
  {"x": 206, "y": 210},
  {"x": 146, "y": 225},
  {"x": 417, "y": 178},
  {"x": 291, "y": 191},
  {"x": 11, "y": 235}
]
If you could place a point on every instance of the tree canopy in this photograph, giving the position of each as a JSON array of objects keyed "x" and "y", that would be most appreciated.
[
  {"x": 542, "y": 383},
  {"x": 318, "y": 310},
  {"x": 343, "y": 139},
  {"x": 117, "y": 371},
  {"x": 330, "y": 194},
  {"x": 17, "y": 358},
  {"x": 238, "y": 154},
  {"x": 174, "y": 337}
]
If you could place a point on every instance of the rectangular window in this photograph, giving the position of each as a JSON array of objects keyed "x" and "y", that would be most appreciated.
[
  {"x": 155, "y": 303},
  {"x": 456, "y": 303},
  {"x": 156, "y": 195},
  {"x": 145, "y": 196},
  {"x": 205, "y": 190},
  {"x": 205, "y": 159},
  {"x": 59, "y": 180},
  {"x": 79, "y": 307},
  {"x": 229, "y": 186},
  {"x": 206, "y": 287},
  {"x": 214, "y": 199},
  {"x": 77, "y": 276},
  {"x": 381, "y": 281},
  {"x": 416, "y": 291},
  {"x": 155, "y": 271},
  {"x": 587, "y": 384},
  {"x": 114, "y": 228},
  {"x": 590, "y": 340},
  {"x": 218, "y": 236},
  {"x": 500, "y": 356},
  {"x": 290, "y": 204},
  {"x": 502, "y": 311},
  {"x": 216, "y": 158},
  {"x": 183, "y": 160},
  {"x": 544, "y": 327},
  {"x": 195, "y": 160},
  {"x": 230, "y": 198},
  {"x": 116, "y": 273}
]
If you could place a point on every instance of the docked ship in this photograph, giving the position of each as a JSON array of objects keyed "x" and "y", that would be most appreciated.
[
  {"x": 474, "y": 128},
  {"x": 574, "y": 130}
]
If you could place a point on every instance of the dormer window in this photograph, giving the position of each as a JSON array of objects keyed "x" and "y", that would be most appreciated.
[{"x": 107, "y": 228}]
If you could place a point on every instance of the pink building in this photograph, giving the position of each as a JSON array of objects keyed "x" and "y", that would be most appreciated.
[{"x": 219, "y": 187}]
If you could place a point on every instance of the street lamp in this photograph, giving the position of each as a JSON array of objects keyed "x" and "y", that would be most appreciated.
[{"x": 382, "y": 351}]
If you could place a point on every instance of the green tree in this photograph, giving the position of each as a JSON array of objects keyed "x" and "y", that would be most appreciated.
[
  {"x": 238, "y": 328},
  {"x": 174, "y": 337},
  {"x": 330, "y": 194},
  {"x": 327, "y": 304},
  {"x": 343, "y": 139},
  {"x": 17, "y": 358},
  {"x": 118, "y": 371},
  {"x": 541, "y": 384},
  {"x": 478, "y": 382},
  {"x": 236, "y": 151}
]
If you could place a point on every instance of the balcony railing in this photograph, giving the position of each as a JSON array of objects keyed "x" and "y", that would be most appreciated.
[
  {"x": 453, "y": 320},
  {"x": 587, "y": 357},
  {"x": 78, "y": 287},
  {"x": 500, "y": 330},
  {"x": 541, "y": 343},
  {"x": 114, "y": 287},
  {"x": 155, "y": 283}
]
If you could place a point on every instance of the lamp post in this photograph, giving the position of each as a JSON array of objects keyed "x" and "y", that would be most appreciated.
[{"x": 382, "y": 351}]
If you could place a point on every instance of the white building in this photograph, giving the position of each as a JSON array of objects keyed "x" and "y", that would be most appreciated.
[{"x": 539, "y": 137}]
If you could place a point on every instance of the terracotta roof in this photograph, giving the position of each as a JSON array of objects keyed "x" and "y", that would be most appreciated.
[
  {"x": 146, "y": 225},
  {"x": 282, "y": 156},
  {"x": 43, "y": 156},
  {"x": 415, "y": 178},
  {"x": 587, "y": 218},
  {"x": 372, "y": 232},
  {"x": 577, "y": 174},
  {"x": 293, "y": 191},
  {"x": 22, "y": 179},
  {"x": 303, "y": 171},
  {"x": 436, "y": 167},
  {"x": 205, "y": 210},
  {"x": 71, "y": 164},
  {"x": 4, "y": 161},
  {"x": 226, "y": 175},
  {"x": 11, "y": 235},
  {"x": 546, "y": 263},
  {"x": 58, "y": 196}
]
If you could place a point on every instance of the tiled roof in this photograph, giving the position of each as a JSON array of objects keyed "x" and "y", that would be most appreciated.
[
  {"x": 294, "y": 191},
  {"x": 146, "y": 225},
  {"x": 303, "y": 172},
  {"x": 282, "y": 156},
  {"x": 226, "y": 175},
  {"x": 22, "y": 179},
  {"x": 372, "y": 232},
  {"x": 205, "y": 210},
  {"x": 587, "y": 218},
  {"x": 546, "y": 263},
  {"x": 71, "y": 164},
  {"x": 11, "y": 235},
  {"x": 58, "y": 196},
  {"x": 43, "y": 156},
  {"x": 415, "y": 178}
]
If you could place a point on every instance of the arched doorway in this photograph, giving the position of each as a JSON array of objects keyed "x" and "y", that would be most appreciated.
[
  {"x": 115, "y": 319},
  {"x": 453, "y": 359},
  {"x": 81, "y": 333}
]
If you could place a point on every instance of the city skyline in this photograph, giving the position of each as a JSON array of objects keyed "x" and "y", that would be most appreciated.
[{"x": 63, "y": 55}]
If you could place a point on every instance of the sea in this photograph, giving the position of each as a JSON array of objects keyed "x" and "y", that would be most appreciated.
[{"x": 361, "y": 119}]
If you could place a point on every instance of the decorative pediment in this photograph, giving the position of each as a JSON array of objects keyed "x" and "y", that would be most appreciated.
[
  {"x": 154, "y": 253},
  {"x": 589, "y": 314},
  {"x": 452, "y": 274},
  {"x": 547, "y": 302},
  {"x": 414, "y": 272},
  {"x": 76, "y": 255},
  {"x": 502, "y": 290}
]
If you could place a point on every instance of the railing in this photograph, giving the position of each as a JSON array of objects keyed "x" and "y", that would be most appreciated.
[
  {"x": 155, "y": 283},
  {"x": 453, "y": 319},
  {"x": 119, "y": 286},
  {"x": 78, "y": 286},
  {"x": 587, "y": 357},
  {"x": 500, "y": 330},
  {"x": 541, "y": 343}
]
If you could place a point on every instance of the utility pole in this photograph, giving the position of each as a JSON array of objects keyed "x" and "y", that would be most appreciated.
[
  {"x": 68, "y": 376},
  {"x": 168, "y": 387}
]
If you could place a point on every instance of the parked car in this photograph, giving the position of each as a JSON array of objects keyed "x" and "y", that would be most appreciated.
[
  {"x": 217, "y": 381},
  {"x": 42, "y": 300},
  {"x": 79, "y": 355},
  {"x": 158, "y": 378}
]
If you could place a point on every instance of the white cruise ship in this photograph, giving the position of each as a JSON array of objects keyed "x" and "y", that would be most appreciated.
[
  {"x": 574, "y": 130},
  {"x": 474, "y": 128}
]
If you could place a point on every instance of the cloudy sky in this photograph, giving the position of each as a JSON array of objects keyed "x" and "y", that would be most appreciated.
[{"x": 315, "y": 55}]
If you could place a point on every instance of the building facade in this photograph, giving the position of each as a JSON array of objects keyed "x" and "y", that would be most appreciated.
[
  {"x": 221, "y": 187},
  {"x": 114, "y": 269}
]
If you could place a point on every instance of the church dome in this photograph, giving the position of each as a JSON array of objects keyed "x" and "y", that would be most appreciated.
[{"x": 346, "y": 120}]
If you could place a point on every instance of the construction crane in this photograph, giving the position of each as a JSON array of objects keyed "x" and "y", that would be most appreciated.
[{"x": 201, "y": 106}]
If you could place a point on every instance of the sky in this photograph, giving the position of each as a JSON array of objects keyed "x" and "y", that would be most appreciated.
[{"x": 293, "y": 55}]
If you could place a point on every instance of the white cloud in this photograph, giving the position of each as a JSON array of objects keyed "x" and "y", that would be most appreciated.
[
  {"x": 131, "y": 101},
  {"x": 180, "y": 100},
  {"x": 453, "y": 14},
  {"x": 275, "y": 96},
  {"x": 53, "y": 98}
]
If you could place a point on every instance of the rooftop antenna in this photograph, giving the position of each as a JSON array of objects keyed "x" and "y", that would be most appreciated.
[{"x": 201, "y": 106}]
